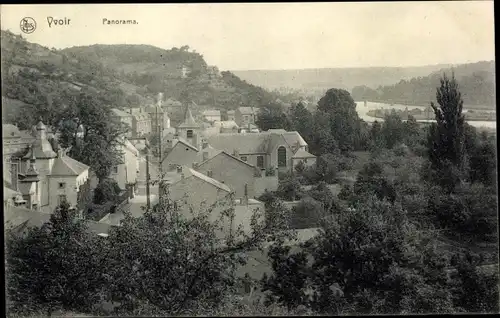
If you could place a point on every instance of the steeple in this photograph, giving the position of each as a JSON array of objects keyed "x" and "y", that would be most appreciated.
[
  {"x": 189, "y": 121},
  {"x": 41, "y": 147}
]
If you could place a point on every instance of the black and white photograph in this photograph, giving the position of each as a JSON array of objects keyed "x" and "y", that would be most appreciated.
[{"x": 249, "y": 159}]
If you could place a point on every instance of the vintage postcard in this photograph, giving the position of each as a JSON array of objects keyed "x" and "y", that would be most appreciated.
[{"x": 249, "y": 159}]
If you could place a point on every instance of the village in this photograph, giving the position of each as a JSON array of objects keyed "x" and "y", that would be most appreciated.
[{"x": 206, "y": 160}]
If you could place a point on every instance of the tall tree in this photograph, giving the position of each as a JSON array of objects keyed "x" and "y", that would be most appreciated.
[
  {"x": 446, "y": 137},
  {"x": 343, "y": 118}
]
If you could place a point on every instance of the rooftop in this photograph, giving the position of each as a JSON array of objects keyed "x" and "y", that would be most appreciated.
[
  {"x": 66, "y": 166},
  {"x": 120, "y": 113},
  {"x": 248, "y": 110}
]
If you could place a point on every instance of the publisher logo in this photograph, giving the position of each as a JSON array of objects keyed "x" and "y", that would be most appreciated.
[{"x": 28, "y": 25}]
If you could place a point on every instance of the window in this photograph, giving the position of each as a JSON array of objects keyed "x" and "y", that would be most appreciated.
[
  {"x": 281, "y": 156},
  {"x": 260, "y": 161},
  {"x": 115, "y": 169},
  {"x": 244, "y": 158},
  {"x": 62, "y": 185},
  {"x": 62, "y": 198},
  {"x": 245, "y": 117},
  {"x": 189, "y": 134}
]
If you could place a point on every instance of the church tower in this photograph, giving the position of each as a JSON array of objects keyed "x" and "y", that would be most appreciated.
[{"x": 189, "y": 129}]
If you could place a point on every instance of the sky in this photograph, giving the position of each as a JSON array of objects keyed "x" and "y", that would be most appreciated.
[{"x": 245, "y": 36}]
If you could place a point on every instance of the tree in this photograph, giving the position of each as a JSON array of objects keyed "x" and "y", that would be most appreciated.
[
  {"x": 106, "y": 190},
  {"x": 446, "y": 137},
  {"x": 189, "y": 259},
  {"x": 272, "y": 117},
  {"x": 344, "y": 122},
  {"x": 99, "y": 147},
  {"x": 369, "y": 260},
  {"x": 54, "y": 267},
  {"x": 301, "y": 120},
  {"x": 393, "y": 129}
]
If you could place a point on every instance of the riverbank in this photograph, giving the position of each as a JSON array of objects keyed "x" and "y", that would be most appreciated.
[
  {"x": 427, "y": 115},
  {"x": 427, "y": 104}
]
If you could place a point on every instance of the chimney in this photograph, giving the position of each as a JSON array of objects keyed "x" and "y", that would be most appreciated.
[
  {"x": 244, "y": 200},
  {"x": 204, "y": 144},
  {"x": 179, "y": 169},
  {"x": 14, "y": 171},
  {"x": 236, "y": 153},
  {"x": 195, "y": 165}
]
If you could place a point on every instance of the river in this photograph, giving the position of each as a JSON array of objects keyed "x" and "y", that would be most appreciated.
[{"x": 363, "y": 113}]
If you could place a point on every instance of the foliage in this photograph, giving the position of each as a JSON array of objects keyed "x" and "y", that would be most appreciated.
[
  {"x": 308, "y": 213},
  {"x": 272, "y": 117},
  {"x": 371, "y": 181},
  {"x": 476, "y": 291},
  {"x": 57, "y": 266},
  {"x": 107, "y": 190},
  {"x": 446, "y": 137},
  {"x": 343, "y": 121},
  {"x": 393, "y": 130},
  {"x": 369, "y": 260},
  {"x": 471, "y": 211},
  {"x": 289, "y": 189}
]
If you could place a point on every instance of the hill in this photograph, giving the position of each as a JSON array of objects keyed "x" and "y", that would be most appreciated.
[
  {"x": 476, "y": 81},
  {"x": 123, "y": 75},
  {"x": 319, "y": 80},
  {"x": 180, "y": 73}
]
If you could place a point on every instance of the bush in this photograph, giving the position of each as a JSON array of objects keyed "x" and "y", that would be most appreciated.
[
  {"x": 308, "y": 213},
  {"x": 106, "y": 190}
]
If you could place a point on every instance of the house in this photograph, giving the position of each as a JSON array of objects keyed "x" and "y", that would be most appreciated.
[
  {"x": 250, "y": 128},
  {"x": 303, "y": 156},
  {"x": 231, "y": 115},
  {"x": 226, "y": 126},
  {"x": 46, "y": 178},
  {"x": 126, "y": 172},
  {"x": 124, "y": 118},
  {"x": 14, "y": 140},
  {"x": 141, "y": 122},
  {"x": 195, "y": 190},
  {"x": 212, "y": 115},
  {"x": 245, "y": 115},
  {"x": 179, "y": 151},
  {"x": 237, "y": 174},
  {"x": 271, "y": 149}
]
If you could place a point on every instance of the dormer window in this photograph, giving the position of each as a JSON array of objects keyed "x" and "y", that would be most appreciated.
[{"x": 189, "y": 133}]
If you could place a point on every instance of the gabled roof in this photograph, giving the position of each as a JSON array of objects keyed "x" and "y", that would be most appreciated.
[
  {"x": 301, "y": 153},
  {"x": 248, "y": 110},
  {"x": 211, "y": 112},
  {"x": 226, "y": 124},
  {"x": 207, "y": 179},
  {"x": 66, "y": 166},
  {"x": 244, "y": 143},
  {"x": 223, "y": 153},
  {"x": 185, "y": 143}
]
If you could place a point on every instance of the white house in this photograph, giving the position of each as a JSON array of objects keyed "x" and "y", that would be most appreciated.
[
  {"x": 127, "y": 171},
  {"x": 46, "y": 178}
]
